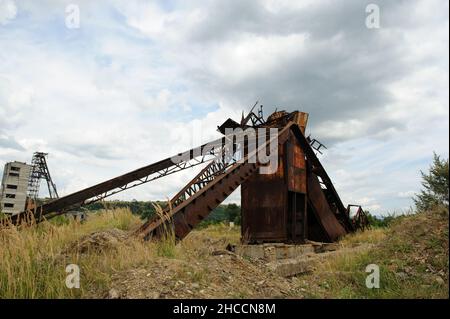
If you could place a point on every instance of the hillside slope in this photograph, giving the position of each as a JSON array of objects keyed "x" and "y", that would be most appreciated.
[{"x": 412, "y": 255}]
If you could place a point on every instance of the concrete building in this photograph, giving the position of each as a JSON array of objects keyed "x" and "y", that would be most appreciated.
[{"x": 13, "y": 193}]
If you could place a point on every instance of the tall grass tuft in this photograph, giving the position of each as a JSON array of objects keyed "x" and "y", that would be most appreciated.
[
  {"x": 33, "y": 259},
  {"x": 166, "y": 242}
]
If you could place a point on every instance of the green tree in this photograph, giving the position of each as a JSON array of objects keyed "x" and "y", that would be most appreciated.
[
  {"x": 380, "y": 221},
  {"x": 233, "y": 212},
  {"x": 435, "y": 184}
]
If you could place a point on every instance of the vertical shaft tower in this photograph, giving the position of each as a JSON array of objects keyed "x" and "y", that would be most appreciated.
[{"x": 40, "y": 171}]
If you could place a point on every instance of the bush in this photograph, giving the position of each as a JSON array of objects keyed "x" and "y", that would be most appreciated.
[
  {"x": 223, "y": 213},
  {"x": 383, "y": 221}
]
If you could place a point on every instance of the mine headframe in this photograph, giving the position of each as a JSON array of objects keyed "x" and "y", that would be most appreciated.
[{"x": 40, "y": 171}]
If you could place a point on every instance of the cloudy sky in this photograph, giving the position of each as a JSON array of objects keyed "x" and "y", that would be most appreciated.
[{"x": 139, "y": 81}]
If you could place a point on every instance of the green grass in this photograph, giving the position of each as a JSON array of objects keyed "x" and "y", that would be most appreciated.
[{"x": 412, "y": 254}]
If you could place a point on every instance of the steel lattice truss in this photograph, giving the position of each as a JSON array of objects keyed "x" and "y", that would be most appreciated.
[
  {"x": 216, "y": 150},
  {"x": 40, "y": 172}
]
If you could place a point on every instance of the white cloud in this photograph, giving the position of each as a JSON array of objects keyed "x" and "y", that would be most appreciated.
[
  {"x": 140, "y": 81},
  {"x": 8, "y": 11},
  {"x": 407, "y": 194}
]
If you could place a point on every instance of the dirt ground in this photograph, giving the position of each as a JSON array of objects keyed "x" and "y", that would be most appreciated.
[
  {"x": 205, "y": 269},
  {"x": 413, "y": 256}
]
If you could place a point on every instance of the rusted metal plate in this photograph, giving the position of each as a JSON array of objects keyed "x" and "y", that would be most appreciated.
[
  {"x": 301, "y": 119},
  {"x": 297, "y": 217},
  {"x": 264, "y": 211},
  {"x": 263, "y": 205},
  {"x": 321, "y": 209},
  {"x": 296, "y": 166},
  {"x": 269, "y": 211}
]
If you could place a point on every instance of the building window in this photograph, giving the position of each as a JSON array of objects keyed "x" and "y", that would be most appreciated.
[
  {"x": 13, "y": 174},
  {"x": 8, "y": 205},
  {"x": 11, "y": 186},
  {"x": 15, "y": 169},
  {"x": 10, "y": 196}
]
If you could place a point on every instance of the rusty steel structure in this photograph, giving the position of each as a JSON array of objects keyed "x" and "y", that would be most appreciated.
[
  {"x": 40, "y": 172},
  {"x": 359, "y": 219},
  {"x": 295, "y": 203}
]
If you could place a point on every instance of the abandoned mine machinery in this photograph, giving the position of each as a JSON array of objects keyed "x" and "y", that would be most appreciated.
[{"x": 292, "y": 201}]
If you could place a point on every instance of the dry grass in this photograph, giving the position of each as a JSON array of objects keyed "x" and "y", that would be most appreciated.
[
  {"x": 33, "y": 260},
  {"x": 371, "y": 236},
  {"x": 166, "y": 241},
  {"x": 412, "y": 255}
]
